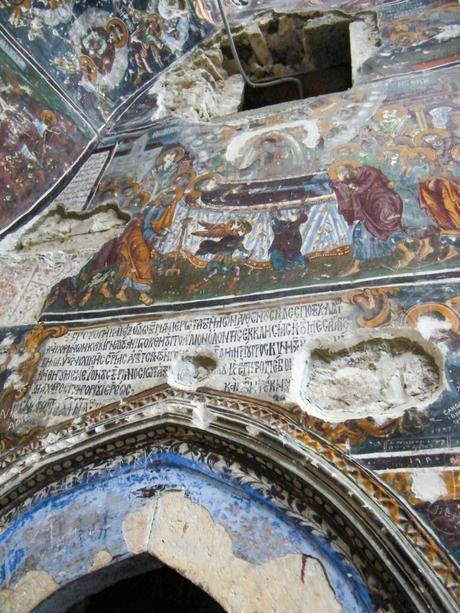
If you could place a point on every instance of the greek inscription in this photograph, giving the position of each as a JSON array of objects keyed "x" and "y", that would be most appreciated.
[{"x": 89, "y": 368}]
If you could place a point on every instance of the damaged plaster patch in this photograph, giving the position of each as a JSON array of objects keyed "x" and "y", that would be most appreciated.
[
  {"x": 364, "y": 41},
  {"x": 101, "y": 559},
  {"x": 428, "y": 484},
  {"x": 252, "y": 430},
  {"x": 199, "y": 88},
  {"x": 202, "y": 416},
  {"x": 185, "y": 537},
  {"x": 136, "y": 527},
  {"x": 191, "y": 370},
  {"x": 431, "y": 327},
  {"x": 31, "y": 589},
  {"x": 28, "y": 277},
  {"x": 368, "y": 376},
  {"x": 71, "y": 229}
]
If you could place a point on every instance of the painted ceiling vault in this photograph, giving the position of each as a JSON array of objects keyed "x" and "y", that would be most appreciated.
[{"x": 244, "y": 320}]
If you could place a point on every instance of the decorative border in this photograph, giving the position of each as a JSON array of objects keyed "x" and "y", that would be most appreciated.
[
  {"x": 277, "y": 432},
  {"x": 375, "y": 309},
  {"x": 28, "y": 355}
]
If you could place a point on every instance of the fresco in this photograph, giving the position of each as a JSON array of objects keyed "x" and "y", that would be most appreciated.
[
  {"x": 42, "y": 136},
  {"x": 339, "y": 189},
  {"x": 65, "y": 372},
  {"x": 441, "y": 506},
  {"x": 104, "y": 50},
  {"x": 416, "y": 36},
  {"x": 260, "y": 530}
]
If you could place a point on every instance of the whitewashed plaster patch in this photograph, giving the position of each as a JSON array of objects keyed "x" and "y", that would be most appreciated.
[
  {"x": 428, "y": 484},
  {"x": 308, "y": 128},
  {"x": 367, "y": 375},
  {"x": 31, "y": 589},
  {"x": 185, "y": 537}
]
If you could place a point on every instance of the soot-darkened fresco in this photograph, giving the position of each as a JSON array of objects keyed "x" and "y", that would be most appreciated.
[{"x": 41, "y": 136}]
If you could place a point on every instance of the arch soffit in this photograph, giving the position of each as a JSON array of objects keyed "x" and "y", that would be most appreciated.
[{"x": 271, "y": 440}]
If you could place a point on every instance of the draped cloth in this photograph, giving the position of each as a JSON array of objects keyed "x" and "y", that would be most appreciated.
[
  {"x": 135, "y": 246},
  {"x": 135, "y": 266},
  {"x": 368, "y": 197},
  {"x": 440, "y": 197}
]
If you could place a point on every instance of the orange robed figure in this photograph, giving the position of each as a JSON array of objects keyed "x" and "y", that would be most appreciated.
[
  {"x": 440, "y": 198},
  {"x": 135, "y": 251}
]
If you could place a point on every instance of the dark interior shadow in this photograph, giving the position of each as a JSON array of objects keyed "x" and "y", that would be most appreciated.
[{"x": 138, "y": 585}]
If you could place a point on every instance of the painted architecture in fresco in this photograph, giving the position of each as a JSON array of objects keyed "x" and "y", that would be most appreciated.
[{"x": 230, "y": 341}]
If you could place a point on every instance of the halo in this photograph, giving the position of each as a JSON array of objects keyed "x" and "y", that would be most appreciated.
[
  {"x": 109, "y": 185},
  {"x": 195, "y": 190},
  {"x": 247, "y": 226},
  {"x": 158, "y": 22},
  {"x": 418, "y": 138},
  {"x": 349, "y": 146},
  {"x": 455, "y": 153},
  {"x": 401, "y": 149},
  {"x": 89, "y": 67},
  {"x": 334, "y": 168},
  {"x": 48, "y": 117},
  {"x": 432, "y": 307},
  {"x": 395, "y": 107},
  {"x": 177, "y": 151},
  {"x": 325, "y": 104},
  {"x": 140, "y": 199},
  {"x": 131, "y": 184},
  {"x": 117, "y": 24},
  {"x": 426, "y": 151}
]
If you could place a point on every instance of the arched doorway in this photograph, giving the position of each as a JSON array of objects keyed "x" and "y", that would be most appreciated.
[
  {"x": 244, "y": 502},
  {"x": 139, "y": 584}
]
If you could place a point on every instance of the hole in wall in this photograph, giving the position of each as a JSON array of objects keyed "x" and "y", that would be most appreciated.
[
  {"x": 313, "y": 48},
  {"x": 378, "y": 377},
  {"x": 192, "y": 370},
  {"x": 323, "y": 49}
]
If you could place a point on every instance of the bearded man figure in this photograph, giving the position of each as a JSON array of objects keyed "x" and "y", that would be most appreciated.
[{"x": 368, "y": 203}]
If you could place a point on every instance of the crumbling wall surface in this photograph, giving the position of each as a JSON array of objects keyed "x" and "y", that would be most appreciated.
[
  {"x": 206, "y": 90},
  {"x": 275, "y": 44},
  {"x": 369, "y": 375},
  {"x": 285, "y": 582},
  {"x": 298, "y": 262},
  {"x": 247, "y": 555},
  {"x": 55, "y": 244}
]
